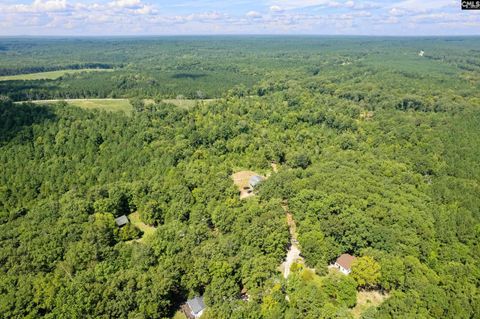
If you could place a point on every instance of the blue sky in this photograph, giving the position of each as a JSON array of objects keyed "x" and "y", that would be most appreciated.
[{"x": 160, "y": 17}]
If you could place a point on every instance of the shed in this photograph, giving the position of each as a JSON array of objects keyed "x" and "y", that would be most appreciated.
[
  {"x": 196, "y": 306},
  {"x": 121, "y": 221},
  {"x": 255, "y": 180},
  {"x": 344, "y": 263}
]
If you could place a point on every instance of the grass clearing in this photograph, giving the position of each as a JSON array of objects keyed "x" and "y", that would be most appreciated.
[
  {"x": 367, "y": 299},
  {"x": 186, "y": 104},
  {"x": 137, "y": 222},
  {"x": 241, "y": 179},
  {"x": 179, "y": 315},
  {"x": 120, "y": 105},
  {"x": 109, "y": 105},
  {"x": 50, "y": 75}
]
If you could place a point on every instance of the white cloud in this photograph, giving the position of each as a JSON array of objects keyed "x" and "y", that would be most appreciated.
[
  {"x": 424, "y": 5},
  {"x": 38, "y": 6},
  {"x": 129, "y": 4},
  {"x": 254, "y": 14},
  {"x": 276, "y": 9},
  {"x": 101, "y": 17},
  {"x": 298, "y": 4}
]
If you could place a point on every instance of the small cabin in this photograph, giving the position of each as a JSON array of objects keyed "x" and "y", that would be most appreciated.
[
  {"x": 195, "y": 308},
  {"x": 344, "y": 263},
  {"x": 255, "y": 180},
  {"x": 121, "y": 221}
]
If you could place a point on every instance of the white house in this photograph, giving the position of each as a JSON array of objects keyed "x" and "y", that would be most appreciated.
[{"x": 344, "y": 263}]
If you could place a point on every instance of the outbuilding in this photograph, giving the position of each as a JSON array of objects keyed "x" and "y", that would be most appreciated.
[
  {"x": 121, "y": 221},
  {"x": 196, "y": 306},
  {"x": 255, "y": 180},
  {"x": 344, "y": 263}
]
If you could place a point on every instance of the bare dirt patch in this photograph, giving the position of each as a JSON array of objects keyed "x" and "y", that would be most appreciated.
[
  {"x": 241, "y": 179},
  {"x": 367, "y": 299}
]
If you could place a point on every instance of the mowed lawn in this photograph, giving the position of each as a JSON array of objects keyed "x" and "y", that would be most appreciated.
[{"x": 51, "y": 75}]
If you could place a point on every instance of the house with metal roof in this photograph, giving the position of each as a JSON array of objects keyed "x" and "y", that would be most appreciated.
[
  {"x": 121, "y": 221},
  {"x": 196, "y": 306},
  {"x": 255, "y": 180}
]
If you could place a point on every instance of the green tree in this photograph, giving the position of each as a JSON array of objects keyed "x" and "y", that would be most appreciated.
[{"x": 366, "y": 271}]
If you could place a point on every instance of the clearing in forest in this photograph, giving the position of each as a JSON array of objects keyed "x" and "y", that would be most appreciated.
[
  {"x": 137, "y": 222},
  {"x": 109, "y": 105},
  {"x": 119, "y": 105},
  {"x": 367, "y": 299},
  {"x": 50, "y": 75},
  {"x": 185, "y": 103},
  {"x": 241, "y": 179}
]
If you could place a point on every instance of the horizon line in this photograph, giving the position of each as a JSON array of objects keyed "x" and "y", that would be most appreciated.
[{"x": 235, "y": 35}]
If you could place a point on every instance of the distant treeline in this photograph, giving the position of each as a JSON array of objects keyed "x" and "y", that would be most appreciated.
[{"x": 37, "y": 69}]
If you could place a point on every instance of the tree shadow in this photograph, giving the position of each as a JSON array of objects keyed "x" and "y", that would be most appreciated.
[
  {"x": 16, "y": 120},
  {"x": 192, "y": 76},
  {"x": 26, "y": 90}
]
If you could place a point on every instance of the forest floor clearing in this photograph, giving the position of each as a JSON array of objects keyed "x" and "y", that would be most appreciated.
[
  {"x": 122, "y": 105},
  {"x": 50, "y": 75},
  {"x": 179, "y": 315},
  {"x": 187, "y": 104},
  {"x": 367, "y": 299},
  {"x": 241, "y": 179},
  {"x": 137, "y": 222}
]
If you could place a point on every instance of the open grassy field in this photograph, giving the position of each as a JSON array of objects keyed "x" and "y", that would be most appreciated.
[
  {"x": 110, "y": 105},
  {"x": 51, "y": 75},
  {"x": 367, "y": 299}
]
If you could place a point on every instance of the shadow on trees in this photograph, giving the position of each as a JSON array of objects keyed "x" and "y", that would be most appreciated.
[
  {"x": 192, "y": 76},
  {"x": 16, "y": 120},
  {"x": 26, "y": 90}
]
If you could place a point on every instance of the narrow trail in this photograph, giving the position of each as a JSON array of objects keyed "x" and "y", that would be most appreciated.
[{"x": 293, "y": 254}]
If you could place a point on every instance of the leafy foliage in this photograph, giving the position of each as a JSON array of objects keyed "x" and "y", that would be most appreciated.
[{"x": 377, "y": 157}]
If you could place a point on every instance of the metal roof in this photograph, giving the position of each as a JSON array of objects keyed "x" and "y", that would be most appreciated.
[
  {"x": 121, "y": 221},
  {"x": 196, "y": 304},
  {"x": 255, "y": 180}
]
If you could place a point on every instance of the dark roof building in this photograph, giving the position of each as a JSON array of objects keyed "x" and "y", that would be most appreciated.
[
  {"x": 197, "y": 306},
  {"x": 121, "y": 221}
]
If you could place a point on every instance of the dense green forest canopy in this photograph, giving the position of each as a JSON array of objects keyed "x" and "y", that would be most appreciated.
[{"x": 377, "y": 150}]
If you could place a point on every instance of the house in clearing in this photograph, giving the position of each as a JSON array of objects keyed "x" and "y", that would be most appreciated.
[
  {"x": 255, "y": 180},
  {"x": 121, "y": 221},
  {"x": 344, "y": 263},
  {"x": 195, "y": 308}
]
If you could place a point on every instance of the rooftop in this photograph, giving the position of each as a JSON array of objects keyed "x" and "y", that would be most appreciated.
[
  {"x": 121, "y": 221},
  {"x": 345, "y": 261},
  {"x": 254, "y": 180},
  {"x": 196, "y": 304}
]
